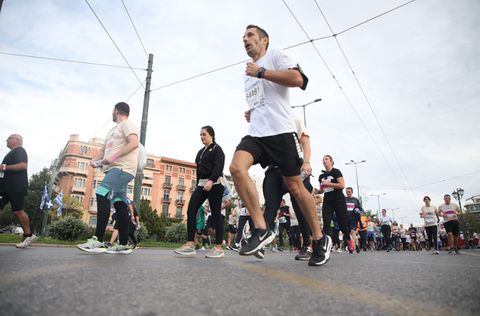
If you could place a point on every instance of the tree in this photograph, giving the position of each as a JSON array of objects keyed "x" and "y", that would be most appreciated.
[
  {"x": 32, "y": 201},
  {"x": 156, "y": 225}
]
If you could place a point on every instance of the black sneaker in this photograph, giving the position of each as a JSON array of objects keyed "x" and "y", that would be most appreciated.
[
  {"x": 304, "y": 254},
  {"x": 259, "y": 239},
  {"x": 235, "y": 247},
  {"x": 260, "y": 254},
  {"x": 321, "y": 251},
  {"x": 357, "y": 248}
]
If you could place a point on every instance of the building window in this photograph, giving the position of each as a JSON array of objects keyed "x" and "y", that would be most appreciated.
[
  {"x": 150, "y": 163},
  {"x": 93, "y": 202},
  {"x": 194, "y": 172},
  {"x": 181, "y": 181},
  {"x": 166, "y": 195},
  {"x": 165, "y": 210},
  {"x": 77, "y": 198},
  {"x": 181, "y": 170},
  {"x": 83, "y": 150},
  {"x": 95, "y": 184},
  {"x": 179, "y": 212},
  {"x": 194, "y": 184},
  {"x": 180, "y": 196},
  {"x": 130, "y": 189},
  {"x": 92, "y": 221},
  {"x": 79, "y": 182},
  {"x": 82, "y": 165},
  {"x": 168, "y": 180},
  {"x": 145, "y": 191},
  {"x": 168, "y": 167}
]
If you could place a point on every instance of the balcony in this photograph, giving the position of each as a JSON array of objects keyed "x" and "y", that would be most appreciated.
[
  {"x": 147, "y": 181},
  {"x": 167, "y": 185},
  {"x": 63, "y": 171},
  {"x": 180, "y": 187},
  {"x": 166, "y": 200},
  {"x": 79, "y": 189},
  {"x": 180, "y": 202}
]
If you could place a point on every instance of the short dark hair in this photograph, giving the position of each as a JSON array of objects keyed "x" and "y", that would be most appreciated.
[
  {"x": 349, "y": 188},
  {"x": 446, "y": 195},
  {"x": 427, "y": 197},
  {"x": 123, "y": 108},
  {"x": 260, "y": 31}
]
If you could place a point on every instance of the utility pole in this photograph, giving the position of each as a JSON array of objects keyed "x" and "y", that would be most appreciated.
[
  {"x": 53, "y": 168},
  {"x": 143, "y": 130}
]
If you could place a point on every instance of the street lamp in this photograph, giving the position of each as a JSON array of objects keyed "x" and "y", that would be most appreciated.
[
  {"x": 356, "y": 176},
  {"x": 458, "y": 194},
  {"x": 303, "y": 106},
  {"x": 378, "y": 200},
  {"x": 393, "y": 211}
]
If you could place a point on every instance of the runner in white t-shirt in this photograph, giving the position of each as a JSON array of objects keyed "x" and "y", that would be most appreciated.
[
  {"x": 271, "y": 139},
  {"x": 450, "y": 211},
  {"x": 430, "y": 215}
]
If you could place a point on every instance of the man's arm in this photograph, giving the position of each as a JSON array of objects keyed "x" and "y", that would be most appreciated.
[
  {"x": 289, "y": 78},
  {"x": 13, "y": 167}
]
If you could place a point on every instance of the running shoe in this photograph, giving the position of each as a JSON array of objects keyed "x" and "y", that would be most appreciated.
[
  {"x": 186, "y": 250},
  {"x": 119, "y": 249},
  {"x": 235, "y": 248},
  {"x": 351, "y": 246},
  {"x": 215, "y": 253},
  {"x": 259, "y": 239},
  {"x": 26, "y": 242},
  {"x": 457, "y": 251},
  {"x": 93, "y": 245},
  {"x": 357, "y": 248},
  {"x": 436, "y": 252},
  {"x": 304, "y": 254},
  {"x": 259, "y": 254},
  {"x": 321, "y": 251},
  {"x": 450, "y": 251}
]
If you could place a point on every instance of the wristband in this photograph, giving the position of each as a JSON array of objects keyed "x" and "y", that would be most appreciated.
[
  {"x": 113, "y": 157},
  {"x": 261, "y": 73},
  {"x": 307, "y": 162},
  {"x": 209, "y": 180}
]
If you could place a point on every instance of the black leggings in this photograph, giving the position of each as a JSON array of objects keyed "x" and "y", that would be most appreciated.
[
  {"x": 386, "y": 232},
  {"x": 340, "y": 209},
  {"x": 432, "y": 236},
  {"x": 273, "y": 190},
  {"x": 103, "y": 214},
  {"x": 242, "y": 220},
  {"x": 131, "y": 232},
  {"x": 214, "y": 197}
]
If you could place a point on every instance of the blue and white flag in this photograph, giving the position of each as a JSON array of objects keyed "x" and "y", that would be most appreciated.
[
  {"x": 44, "y": 197},
  {"x": 59, "y": 201}
]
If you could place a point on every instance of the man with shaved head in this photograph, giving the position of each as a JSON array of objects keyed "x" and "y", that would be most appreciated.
[{"x": 14, "y": 185}]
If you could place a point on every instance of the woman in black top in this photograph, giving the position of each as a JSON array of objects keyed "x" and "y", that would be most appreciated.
[
  {"x": 210, "y": 161},
  {"x": 332, "y": 185}
]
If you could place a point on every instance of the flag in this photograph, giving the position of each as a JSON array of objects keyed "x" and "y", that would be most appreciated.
[
  {"x": 44, "y": 197},
  {"x": 59, "y": 201}
]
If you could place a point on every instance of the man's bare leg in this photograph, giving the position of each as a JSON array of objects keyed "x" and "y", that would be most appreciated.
[{"x": 241, "y": 163}]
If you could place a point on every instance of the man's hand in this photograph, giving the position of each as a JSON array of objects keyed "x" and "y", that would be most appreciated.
[
  {"x": 247, "y": 116},
  {"x": 252, "y": 69}
]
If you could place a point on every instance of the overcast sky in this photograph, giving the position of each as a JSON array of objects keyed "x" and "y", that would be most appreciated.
[{"x": 418, "y": 67}]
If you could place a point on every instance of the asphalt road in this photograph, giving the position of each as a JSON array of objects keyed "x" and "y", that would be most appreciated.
[{"x": 66, "y": 281}]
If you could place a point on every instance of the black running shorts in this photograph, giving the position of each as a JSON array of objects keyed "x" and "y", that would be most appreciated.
[
  {"x": 17, "y": 201},
  {"x": 282, "y": 150}
]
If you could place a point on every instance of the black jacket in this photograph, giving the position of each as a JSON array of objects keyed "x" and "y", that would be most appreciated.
[{"x": 210, "y": 162}]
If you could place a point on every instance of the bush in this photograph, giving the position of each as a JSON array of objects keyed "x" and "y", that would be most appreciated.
[
  {"x": 69, "y": 228},
  {"x": 142, "y": 233},
  {"x": 176, "y": 233}
]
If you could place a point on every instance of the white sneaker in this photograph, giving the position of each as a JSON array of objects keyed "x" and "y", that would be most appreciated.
[
  {"x": 185, "y": 250},
  {"x": 215, "y": 253},
  {"x": 26, "y": 242},
  {"x": 119, "y": 249},
  {"x": 93, "y": 245}
]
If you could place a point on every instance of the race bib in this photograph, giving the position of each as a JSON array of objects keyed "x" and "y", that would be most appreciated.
[{"x": 254, "y": 93}]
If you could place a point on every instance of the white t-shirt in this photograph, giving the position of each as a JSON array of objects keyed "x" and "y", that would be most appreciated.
[
  {"x": 269, "y": 103},
  {"x": 244, "y": 212},
  {"x": 449, "y": 212},
  {"x": 429, "y": 215},
  {"x": 385, "y": 220},
  {"x": 117, "y": 138}
]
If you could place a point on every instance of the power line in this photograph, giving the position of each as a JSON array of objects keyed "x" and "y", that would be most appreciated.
[
  {"x": 105, "y": 29},
  {"x": 343, "y": 93},
  {"x": 68, "y": 60},
  {"x": 199, "y": 75},
  {"x": 133, "y": 24},
  {"x": 289, "y": 47},
  {"x": 135, "y": 92},
  {"x": 364, "y": 93}
]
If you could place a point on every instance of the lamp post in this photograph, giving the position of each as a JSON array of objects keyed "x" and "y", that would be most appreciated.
[
  {"x": 378, "y": 200},
  {"x": 356, "y": 176},
  {"x": 303, "y": 106},
  {"x": 393, "y": 212},
  {"x": 458, "y": 194}
]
